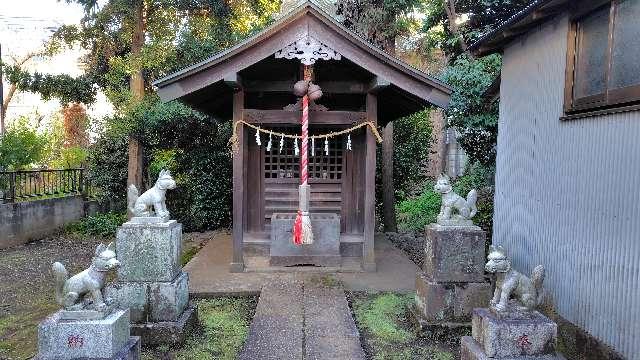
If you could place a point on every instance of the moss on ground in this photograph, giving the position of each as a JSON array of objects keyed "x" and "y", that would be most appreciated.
[
  {"x": 224, "y": 328},
  {"x": 19, "y": 333},
  {"x": 188, "y": 254},
  {"x": 387, "y": 332}
]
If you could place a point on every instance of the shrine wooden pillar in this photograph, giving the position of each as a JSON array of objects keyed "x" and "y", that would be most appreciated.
[
  {"x": 368, "y": 254},
  {"x": 239, "y": 182}
]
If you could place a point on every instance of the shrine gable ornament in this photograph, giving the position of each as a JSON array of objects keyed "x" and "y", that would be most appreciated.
[{"x": 308, "y": 49}]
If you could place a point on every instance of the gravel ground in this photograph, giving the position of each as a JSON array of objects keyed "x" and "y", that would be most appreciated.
[{"x": 410, "y": 243}]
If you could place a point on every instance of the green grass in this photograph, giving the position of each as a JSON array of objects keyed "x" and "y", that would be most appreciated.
[
  {"x": 224, "y": 328},
  {"x": 383, "y": 320}
]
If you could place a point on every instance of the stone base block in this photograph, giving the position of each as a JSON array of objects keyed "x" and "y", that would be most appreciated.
[
  {"x": 151, "y": 302},
  {"x": 454, "y": 254},
  {"x": 168, "y": 301},
  {"x": 503, "y": 336},
  {"x": 325, "y": 250},
  {"x": 167, "y": 332},
  {"x": 449, "y": 302},
  {"x": 92, "y": 339},
  {"x": 131, "y": 295},
  {"x": 471, "y": 350},
  {"x": 149, "y": 252}
]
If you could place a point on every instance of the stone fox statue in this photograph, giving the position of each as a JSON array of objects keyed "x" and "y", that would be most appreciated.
[
  {"x": 71, "y": 292},
  {"x": 141, "y": 205},
  {"x": 450, "y": 200},
  {"x": 526, "y": 291}
]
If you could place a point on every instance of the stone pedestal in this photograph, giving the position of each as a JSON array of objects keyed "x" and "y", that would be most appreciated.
[
  {"x": 106, "y": 338},
  {"x": 452, "y": 282},
  {"x": 510, "y": 335},
  {"x": 325, "y": 250},
  {"x": 151, "y": 282}
]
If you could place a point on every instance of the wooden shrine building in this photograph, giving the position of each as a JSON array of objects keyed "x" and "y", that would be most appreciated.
[{"x": 253, "y": 82}]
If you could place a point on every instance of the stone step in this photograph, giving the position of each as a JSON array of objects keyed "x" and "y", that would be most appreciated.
[
  {"x": 276, "y": 331},
  {"x": 301, "y": 320},
  {"x": 330, "y": 331}
]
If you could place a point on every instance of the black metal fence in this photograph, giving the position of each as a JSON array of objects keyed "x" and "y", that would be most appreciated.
[{"x": 28, "y": 185}]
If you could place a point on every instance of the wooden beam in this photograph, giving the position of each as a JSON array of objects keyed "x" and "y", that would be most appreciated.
[
  {"x": 254, "y": 116},
  {"x": 233, "y": 81},
  {"x": 237, "y": 263},
  {"x": 368, "y": 254},
  {"x": 377, "y": 84},
  {"x": 328, "y": 87}
]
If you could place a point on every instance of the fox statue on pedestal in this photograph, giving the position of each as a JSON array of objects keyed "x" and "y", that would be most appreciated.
[
  {"x": 85, "y": 288},
  {"x": 466, "y": 209},
  {"x": 527, "y": 292},
  {"x": 155, "y": 197}
]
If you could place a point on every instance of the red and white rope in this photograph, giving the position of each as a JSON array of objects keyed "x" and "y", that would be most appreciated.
[{"x": 304, "y": 161}]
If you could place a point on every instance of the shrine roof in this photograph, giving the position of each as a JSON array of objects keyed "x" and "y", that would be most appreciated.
[{"x": 202, "y": 85}]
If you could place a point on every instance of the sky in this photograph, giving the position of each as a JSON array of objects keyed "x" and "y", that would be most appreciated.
[
  {"x": 44, "y": 9},
  {"x": 24, "y": 26}
]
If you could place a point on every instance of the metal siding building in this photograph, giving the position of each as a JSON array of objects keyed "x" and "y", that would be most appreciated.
[{"x": 567, "y": 192}]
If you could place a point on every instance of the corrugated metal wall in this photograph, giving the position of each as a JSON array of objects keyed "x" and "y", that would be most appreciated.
[{"x": 568, "y": 192}]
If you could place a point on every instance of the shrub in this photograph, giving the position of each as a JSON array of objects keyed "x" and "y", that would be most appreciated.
[
  {"x": 189, "y": 144},
  {"x": 415, "y": 213},
  {"x": 103, "y": 225}
]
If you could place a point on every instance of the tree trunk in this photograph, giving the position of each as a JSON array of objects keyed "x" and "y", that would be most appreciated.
[
  {"x": 388, "y": 190},
  {"x": 452, "y": 15},
  {"x": 136, "y": 86}
]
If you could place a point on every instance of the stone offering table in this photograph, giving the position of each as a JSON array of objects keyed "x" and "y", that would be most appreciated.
[
  {"x": 325, "y": 250},
  {"x": 151, "y": 282},
  {"x": 452, "y": 282},
  {"x": 106, "y": 338},
  {"x": 510, "y": 335}
]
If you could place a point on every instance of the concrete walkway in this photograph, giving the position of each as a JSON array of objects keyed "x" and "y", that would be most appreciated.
[
  {"x": 209, "y": 274},
  {"x": 302, "y": 319}
]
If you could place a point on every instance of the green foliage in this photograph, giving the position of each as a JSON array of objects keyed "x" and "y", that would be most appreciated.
[
  {"x": 22, "y": 146},
  {"x": 379, "y": 316},
  {"x": 484, "y": 15},
  {"x": 108, "y": 160},
  {"x": 412, "y": 145},
  {"x": 468, "y": 112},
  {"x": 415, "y": 213},
  {"x": 71, "y": 157},
  {"x": 62, "y": 87},
  {"x": 192, "y": 146},
  {"x": 103, "y": 225},
  {"x": 163, "y": 160}
]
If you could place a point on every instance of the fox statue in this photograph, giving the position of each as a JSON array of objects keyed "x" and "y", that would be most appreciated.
[
  {"x": 527, "y": 292},
  {"x": 154, "y": 197},
  {"x": 466, "y": 209},
  {"x": 72, "y": 293}
]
